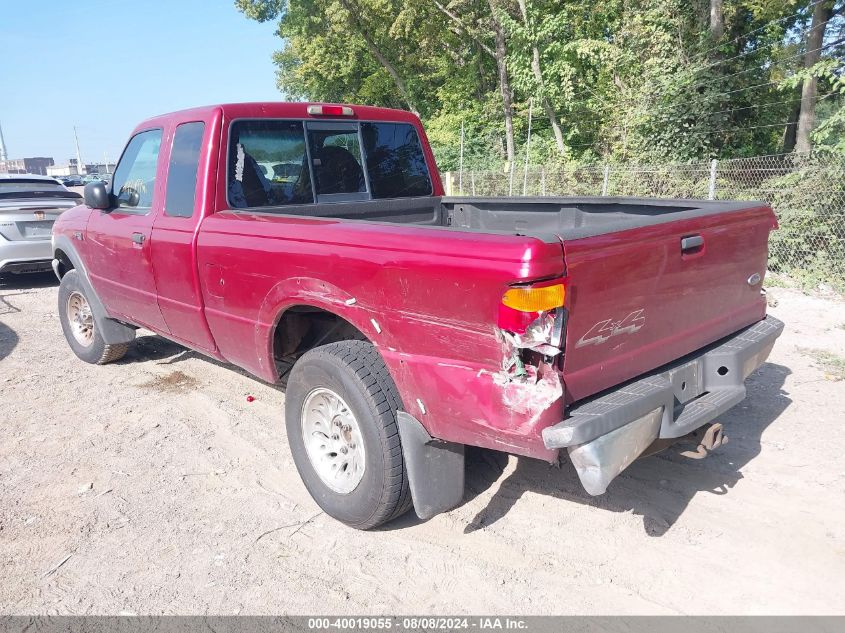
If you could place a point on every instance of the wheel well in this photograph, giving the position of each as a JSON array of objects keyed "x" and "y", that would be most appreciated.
[
  {"x": 64, "y": 262},
  {"x": 302, "y": 328}
]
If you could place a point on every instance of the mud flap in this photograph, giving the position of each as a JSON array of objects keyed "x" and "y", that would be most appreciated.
[
  {"x": 597, "y": 462},
  {"x": 435, "y": 468}
]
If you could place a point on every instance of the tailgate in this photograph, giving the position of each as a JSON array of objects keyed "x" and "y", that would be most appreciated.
[{"x": 638, "y": 299}]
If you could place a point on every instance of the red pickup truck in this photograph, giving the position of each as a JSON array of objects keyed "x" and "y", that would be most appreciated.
[{"x": 311, "y": 244}]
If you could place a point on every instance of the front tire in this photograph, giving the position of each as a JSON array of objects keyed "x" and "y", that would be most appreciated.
[
  {"x": 340, "y": 413},
  {"x": 79, "y": 326}
]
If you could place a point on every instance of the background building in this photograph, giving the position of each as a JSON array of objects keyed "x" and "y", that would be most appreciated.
[{"x": 35, "y": 165}]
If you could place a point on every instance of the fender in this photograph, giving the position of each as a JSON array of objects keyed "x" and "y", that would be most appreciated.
[
  {"x": 113, "y": 332},
  {"x": 307, "y": 291}
]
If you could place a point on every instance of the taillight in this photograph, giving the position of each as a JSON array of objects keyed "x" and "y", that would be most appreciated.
[
  {"x": 330, "y": 110},
  {"x": 534, "y": 298},
  {"x": 523, "y": 305}
]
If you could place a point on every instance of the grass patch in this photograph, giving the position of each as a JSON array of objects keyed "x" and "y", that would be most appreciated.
[
  {"x": 774, "y": 280},
  {"x": 832, "y": 364}
]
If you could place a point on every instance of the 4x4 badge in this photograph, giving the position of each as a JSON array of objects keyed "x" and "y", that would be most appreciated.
[{"x": 603, "y": 330}]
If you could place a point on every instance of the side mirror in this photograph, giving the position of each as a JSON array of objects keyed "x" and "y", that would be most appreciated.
[
  {"x": 128, "y": 197},
  {"x": 97, "y": 195}
]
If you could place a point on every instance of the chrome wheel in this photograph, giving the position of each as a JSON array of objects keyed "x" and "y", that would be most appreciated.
[
  {"x": 333, "y": 440},
  {"x": 80, "y": 318}
]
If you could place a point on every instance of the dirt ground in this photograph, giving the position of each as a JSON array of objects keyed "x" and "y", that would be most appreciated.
[{"x": 153, "y": 486}]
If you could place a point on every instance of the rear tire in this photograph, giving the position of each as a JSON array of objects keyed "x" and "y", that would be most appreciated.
[
  {"x": 79, "y": 325},
  {"x": 340, "y": 395}
]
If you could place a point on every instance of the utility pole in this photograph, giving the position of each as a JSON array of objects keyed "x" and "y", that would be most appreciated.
[
  {"x": 527, "y": 147},
  {"x": 79, "y": 166},
  {"x": 3, "y": 154},
  {"x": 461, "y": 169}
]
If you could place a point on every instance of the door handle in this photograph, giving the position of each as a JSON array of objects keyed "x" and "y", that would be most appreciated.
[
  {"x": 138, "y": 238},
  {"x": 691, "y": 243}
]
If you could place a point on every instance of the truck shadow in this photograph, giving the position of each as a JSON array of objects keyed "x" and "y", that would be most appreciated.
[
  {"x": 8, "y": 340},
  {"x": 151, "y": 347},
  {"x": 658, "y": 487}
]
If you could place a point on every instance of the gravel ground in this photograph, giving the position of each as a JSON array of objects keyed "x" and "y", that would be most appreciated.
[{"x": 153, "y": 486}]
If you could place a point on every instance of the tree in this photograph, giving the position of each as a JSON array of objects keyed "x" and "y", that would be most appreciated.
[
  {"x": 650, "y": 80},
  {"x": 537, "y": 71},
  {"x": 499, "y": 53},
  {"x": 717, "y": 20},
  {"x": 822, "y": 13}
]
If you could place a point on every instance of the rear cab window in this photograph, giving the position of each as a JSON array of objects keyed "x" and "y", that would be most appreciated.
[
  {"x": 268, "y": 164},
  {"x": 283, "y": 162},
  {"x": 395, "y": 161}
]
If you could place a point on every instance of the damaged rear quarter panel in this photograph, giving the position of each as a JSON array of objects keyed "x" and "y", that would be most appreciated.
[{"x": 426, "y": 297}]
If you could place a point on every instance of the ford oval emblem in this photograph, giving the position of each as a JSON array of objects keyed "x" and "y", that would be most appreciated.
[{"x": 754, "y": 279}]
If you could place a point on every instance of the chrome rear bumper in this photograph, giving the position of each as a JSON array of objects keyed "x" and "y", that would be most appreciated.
[{"x": 605, "y": 434}]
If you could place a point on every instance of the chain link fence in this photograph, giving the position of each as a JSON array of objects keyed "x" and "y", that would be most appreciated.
[{"x": 807, "y": 193}]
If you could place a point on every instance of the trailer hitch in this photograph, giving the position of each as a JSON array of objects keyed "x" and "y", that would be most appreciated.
[{"x": 713, "y": 438}]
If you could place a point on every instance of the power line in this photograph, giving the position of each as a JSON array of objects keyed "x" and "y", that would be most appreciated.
[
  {"x": 765, "y": 26},
  {"x": 594, "y": 118},
  {"x": 695, "y": 70},
  {"x": 708, "y": 114},
  {"x": 774, "y": 63},
  {"x": 722, "y": 130},
  {"x": 757, "y": 50},
  {"x": 729, "y": 92}
]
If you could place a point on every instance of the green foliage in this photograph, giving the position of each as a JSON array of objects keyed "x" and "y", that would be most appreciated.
[
  {"x": 810, "y": 242},
  {"x": 833, "y": 365},
  {"x": 626, "y": 79},
  {"x": 829, "y": 136}
]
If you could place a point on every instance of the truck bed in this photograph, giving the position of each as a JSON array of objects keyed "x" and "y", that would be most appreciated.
[
  {"x": 574, "y": 218},
  {"x": 544, "y": 217},
  {"x": 648, "y": 280}
]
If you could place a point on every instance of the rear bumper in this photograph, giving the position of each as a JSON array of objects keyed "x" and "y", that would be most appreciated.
[
  {"x": 605, "y": 434},
  {"x": 25, "y": 255}
]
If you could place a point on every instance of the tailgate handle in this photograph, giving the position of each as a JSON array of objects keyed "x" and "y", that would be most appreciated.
[{"x": 692, "y": 242}]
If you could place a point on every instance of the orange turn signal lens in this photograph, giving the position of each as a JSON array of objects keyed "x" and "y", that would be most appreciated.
[{"x": 533, "y": 299}]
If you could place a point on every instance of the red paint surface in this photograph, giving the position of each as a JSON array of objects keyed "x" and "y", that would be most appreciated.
[
  {"x": 428, "y": 298},
  {"x": 688, "y": 301}
]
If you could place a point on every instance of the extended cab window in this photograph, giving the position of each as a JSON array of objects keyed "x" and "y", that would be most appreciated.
[
  {"x": 395, "y": 160},
  {"x": 134, "y": 178},
  {"x": 268, "y": 164},
  {"x": 336, "y": 159},
  {"x": 182, "y": 171}
]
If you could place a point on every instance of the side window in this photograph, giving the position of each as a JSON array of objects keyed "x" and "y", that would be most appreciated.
[
  {"x": 268, "y": 164},
  {"x": 134, "y": 177},
  {"x": 182, "y": 171},
  {"x": 395, "y": 160},
  {"x": 336, "y": 159}
]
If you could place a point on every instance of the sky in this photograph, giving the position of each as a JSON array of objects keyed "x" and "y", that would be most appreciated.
[{"x": 105, "y": 65}]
